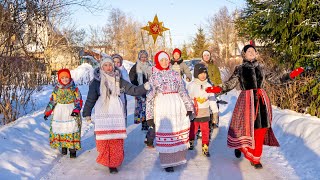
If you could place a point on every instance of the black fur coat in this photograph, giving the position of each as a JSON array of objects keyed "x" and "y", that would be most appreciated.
[{"x": 252, "y": 75}]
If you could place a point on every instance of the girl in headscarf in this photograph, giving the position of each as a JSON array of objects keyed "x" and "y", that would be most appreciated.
[
  {"x": 139, "y": 74},
  {"x": 110, "y": 129},
  {"x": 118, "y": 63},
  {"x": 168, "y": 111},
  {"x": 65, "y": 105},
  {"x": 179, "y": 65}
]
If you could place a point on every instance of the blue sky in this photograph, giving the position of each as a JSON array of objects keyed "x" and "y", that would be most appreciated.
[{"x": 183, "y": 17}]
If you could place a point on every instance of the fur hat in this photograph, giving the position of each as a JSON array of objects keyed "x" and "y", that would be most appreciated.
[
  {"x": 198, "y": 69},
  {"x": 160, "y": 55},
  {"x": 63, "y": 73},
  {"x": 245, "y": 48}
]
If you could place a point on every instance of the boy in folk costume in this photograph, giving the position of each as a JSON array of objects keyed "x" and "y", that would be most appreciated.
[
  {"x": 202, "y": 102},
  {"x": 250, "y": 126},
  {"x": 178, "y": 65},
  {"x": 65, "y": 105},
  {"x": 118, "y": 63},
  {"x": 110, "y": 129},
  {"x": 139, "y": 74},
  {"x": 168, "y": 111}
]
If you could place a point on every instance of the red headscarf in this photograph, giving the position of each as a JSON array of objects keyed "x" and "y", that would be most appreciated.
[
  {"x": 63, "y": 73},
  {"x": 176, "y": 50},
  {"x": 158, "y": 57}
]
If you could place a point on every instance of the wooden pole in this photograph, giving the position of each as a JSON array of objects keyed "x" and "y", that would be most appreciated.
[{"x": 144, "y": 46}]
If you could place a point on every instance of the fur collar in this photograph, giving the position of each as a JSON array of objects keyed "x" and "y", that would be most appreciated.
[{"x": 179, "y": 61}]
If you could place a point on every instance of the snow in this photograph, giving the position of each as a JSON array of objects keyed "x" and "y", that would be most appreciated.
[
  {"x": 128, "y": 64},
  {"x": 25, "y": 152},
  {"x": 83, "y": 74}
]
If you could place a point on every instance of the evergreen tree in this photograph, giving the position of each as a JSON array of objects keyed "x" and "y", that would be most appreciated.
[
  {"x": 184, "y": 52},
  {"x": 199, "y": 43},
  {"x": 290, "y": 29}
]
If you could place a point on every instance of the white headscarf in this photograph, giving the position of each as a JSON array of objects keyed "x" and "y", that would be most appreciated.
[
  {"x": 143, "y": 68},
  {"x": 109, "y": 82}
]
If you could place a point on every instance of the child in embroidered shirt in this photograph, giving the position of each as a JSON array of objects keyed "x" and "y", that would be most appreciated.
[
  {"x": 202, "y": 101},
  {"x": 65, "y": 105}
]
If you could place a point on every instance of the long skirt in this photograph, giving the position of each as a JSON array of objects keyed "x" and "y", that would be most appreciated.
[
  {"x": 173, "y": 159},
  {"x": 140, "y": 109},
  {"x": 111, "y": 152},
  {"x": 172, "y": 129},
  {"x": 65, "y": 130},
  {"x": 241, "y": 130}
]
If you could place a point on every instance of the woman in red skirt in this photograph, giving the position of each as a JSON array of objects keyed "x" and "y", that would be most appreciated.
[{"x": 250, "y": 126}]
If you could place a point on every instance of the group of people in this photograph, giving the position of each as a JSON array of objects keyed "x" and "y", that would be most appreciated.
[{"x": 169, "y": 109}]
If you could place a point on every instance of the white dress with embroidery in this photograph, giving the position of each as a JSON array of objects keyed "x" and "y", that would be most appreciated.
[{"x": 168, "y": 103}]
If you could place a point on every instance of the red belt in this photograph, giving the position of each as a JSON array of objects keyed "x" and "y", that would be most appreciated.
[
  {"x": 260, "y": 96},
  {"x": 170, "y": 92}
]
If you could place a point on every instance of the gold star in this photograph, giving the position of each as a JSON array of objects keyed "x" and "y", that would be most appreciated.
[{"x": 155, "y": 28}]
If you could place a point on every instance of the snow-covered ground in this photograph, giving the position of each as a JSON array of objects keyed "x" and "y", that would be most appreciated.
[{"x": 25, "y": 152}]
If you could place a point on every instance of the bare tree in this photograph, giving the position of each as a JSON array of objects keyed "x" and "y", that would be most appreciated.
[
  {"x": 26, "y": 31},
  {"x": 222, "y": 32}
]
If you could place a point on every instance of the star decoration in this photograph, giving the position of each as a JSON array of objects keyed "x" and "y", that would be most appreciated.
[{"x": 155, "y": 28}]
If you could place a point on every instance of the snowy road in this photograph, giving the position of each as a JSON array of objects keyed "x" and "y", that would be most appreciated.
[
  {"x": 25, "y": 152},
  {"x": 143, "y": 163}
]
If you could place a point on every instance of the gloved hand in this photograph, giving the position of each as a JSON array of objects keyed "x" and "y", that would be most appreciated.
[
  {"x": 147, "y": 86},
  {"x": 189, "y": 113},
  {"x": 296, "y": 72},
  {"x": 214, "y": 89},
  {"x": 88, "y": 119},
  {"x": 45, "y": 117},
  {"x": 74, "y": 114}
]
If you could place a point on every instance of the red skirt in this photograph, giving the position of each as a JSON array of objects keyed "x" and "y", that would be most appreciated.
[
  {"x": 111, "y": 152},
  {"x": 241, "y": 129}
]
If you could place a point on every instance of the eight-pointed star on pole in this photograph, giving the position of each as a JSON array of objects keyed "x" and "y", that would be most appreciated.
[{"x": 155, "y": 28}]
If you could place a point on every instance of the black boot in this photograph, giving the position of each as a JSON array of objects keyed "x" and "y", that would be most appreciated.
[
  {"x": 169, "y": 169},
  {"x": 150, "y": 137},
  {"x": 73, "y": 153},
  {"x": 64, "y": 151},
  {"x": 257, "y": 166},
  {"x": 113, "y": 170},
  {"x": 237, "y": 153},
  {"x": 191, "y": 145}
]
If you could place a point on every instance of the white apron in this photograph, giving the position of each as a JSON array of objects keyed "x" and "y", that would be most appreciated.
[
  {"x": 171, "y": 123},
  {"x": 62, "y": 121},
  {"x": 109, "y": 123}
]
